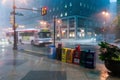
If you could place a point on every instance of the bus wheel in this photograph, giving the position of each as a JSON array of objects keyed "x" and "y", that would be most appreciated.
[{"x": 32, "y": 43}]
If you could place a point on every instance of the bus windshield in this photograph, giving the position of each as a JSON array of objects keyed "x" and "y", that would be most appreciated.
[{"x": 44, "y": 35}]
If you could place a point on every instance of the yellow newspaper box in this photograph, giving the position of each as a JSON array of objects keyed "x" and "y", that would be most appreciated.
[
  {"x": 64, "y": 50},
  {"x": 69, "y": 57}
]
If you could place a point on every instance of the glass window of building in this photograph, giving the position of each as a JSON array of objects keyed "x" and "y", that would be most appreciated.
[
  {"x": 72, "y": 22},
  {"x": 80, "y": 4},
  {"x": 84, "y": 5},
  {"x": 64, "y": 23},
  {"x": 65, "y": 6},
  {"x": 57, "y": 8},
  {"x": 61, "y": 15},
  {"x": 50, "y": 10},
  {"x": 71, "y": 33},
  {"x": 53, "y": 9},
  {"x": 70, "y": 4},
  {"x": 87, "y": 6},
  {"x": 66, "y": 14}
]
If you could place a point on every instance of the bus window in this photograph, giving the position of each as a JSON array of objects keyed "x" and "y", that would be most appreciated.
[{"x": 44, "y": 35}]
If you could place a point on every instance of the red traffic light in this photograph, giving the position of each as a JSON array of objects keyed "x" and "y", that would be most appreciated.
[
  {"x": 43, "y": 11},
  {"x": 45, "y": 8}
]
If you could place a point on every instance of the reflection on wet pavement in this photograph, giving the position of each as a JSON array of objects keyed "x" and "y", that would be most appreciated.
[{"x": 15, "y": 65}]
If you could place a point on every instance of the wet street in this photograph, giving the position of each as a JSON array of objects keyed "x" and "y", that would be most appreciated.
[{"x": 26, "y": 65}]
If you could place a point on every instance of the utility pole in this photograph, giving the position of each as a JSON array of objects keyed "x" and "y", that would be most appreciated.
[{"x": 14, "y": 27}]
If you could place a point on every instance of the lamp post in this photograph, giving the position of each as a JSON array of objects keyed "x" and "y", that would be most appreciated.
[
  {"x": 14, "y": 27},
  {"x": 59, "y": 23},
  {"x": 54, "y": 21},
  {"x": 105, "y": 13}
]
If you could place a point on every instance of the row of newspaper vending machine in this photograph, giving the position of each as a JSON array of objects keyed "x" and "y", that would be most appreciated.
[{"x": 74, "y": 56}]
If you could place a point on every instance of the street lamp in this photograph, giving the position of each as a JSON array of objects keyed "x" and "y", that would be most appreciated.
[
  {"x": 59, "y": 23},
  {"x": 105, "y": 14},
  {"x": 55, "y": 20}
]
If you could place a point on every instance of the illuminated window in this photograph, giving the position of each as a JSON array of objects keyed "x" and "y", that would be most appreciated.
[
  {"x": 50, "y": 10},
  {"x": 61, "y": 15},
  {"x": 66, "y": 14},
  {"x": 65, "y": 6},
  {"x": 80, "y": 4},
  {"x": 70, "y": 4}
]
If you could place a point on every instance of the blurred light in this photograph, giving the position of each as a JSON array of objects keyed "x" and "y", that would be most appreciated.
[
  {"x": 95, "y": 34},
  {"x": 105, "y": 13},
  {"x": 59, "y": 21},
  {"x": 3, "y": 1},
  {"x": 45, "y": 8},
  {"x": 113, "y": 0},
  {"x": 17, "y": 1},
  {"x": 34, "y": 10},
  {"x": 3, "y": 50},
  {"x": 82, "y": 30},
  {"x": 63, "y": 31},
  {"x": 58, "y": 35},
  {"x": 45, "y": 23},
  {"x": 21, "y": 26},
  {"x": 41, "y": 22}
]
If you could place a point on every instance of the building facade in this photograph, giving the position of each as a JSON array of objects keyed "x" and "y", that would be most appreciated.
[{"x": 78, "y": 17}]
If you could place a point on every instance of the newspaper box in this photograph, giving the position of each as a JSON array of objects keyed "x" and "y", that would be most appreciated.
[
  {"x": 64, "y": 50},
  {"x": 69, "y": 57}
]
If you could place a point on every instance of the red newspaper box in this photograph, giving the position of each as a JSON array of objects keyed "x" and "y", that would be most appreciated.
[{"x": 76, "y": 55}]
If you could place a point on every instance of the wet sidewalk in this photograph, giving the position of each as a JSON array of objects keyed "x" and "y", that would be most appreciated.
[{"x": 20, "y": 65}]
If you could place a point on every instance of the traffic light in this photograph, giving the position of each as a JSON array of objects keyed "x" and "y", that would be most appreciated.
[{"x": 43, "y": 11}]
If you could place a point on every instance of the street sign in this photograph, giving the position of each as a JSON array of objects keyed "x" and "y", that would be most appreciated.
[{"x": 19, "y": 14}]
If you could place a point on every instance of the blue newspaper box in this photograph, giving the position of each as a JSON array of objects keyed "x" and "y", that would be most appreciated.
[{"x": 52, "y": 52}]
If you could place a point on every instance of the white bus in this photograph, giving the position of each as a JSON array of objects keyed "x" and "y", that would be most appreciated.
[
  {"x": 23, "y": 35},
  {"x": 42, "y": 37},
  {"x": 26, "y": 35},
  {"x": 38, "y": 37}
]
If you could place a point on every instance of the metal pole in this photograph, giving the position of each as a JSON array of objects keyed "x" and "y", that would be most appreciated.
[
  {"x": 54, "y": 29},
  {"x": 14, "y": 27},
  {"x": 105, "y": 26},
  {"x": 105, "y": 29}
]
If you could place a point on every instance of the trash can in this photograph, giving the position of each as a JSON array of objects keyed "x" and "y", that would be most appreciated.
[
  {"x": 59, "y": 52},
  {"x": 52, "y": 52}
]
